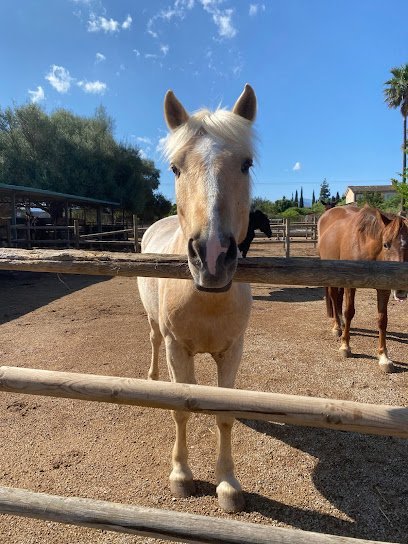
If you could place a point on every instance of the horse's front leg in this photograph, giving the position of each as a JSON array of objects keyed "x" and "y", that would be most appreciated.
[
  {"x": 349, "y": 311},
  {"x": 229, "y": 492},
  {"x": 333, "y": 301},
  {"x": 181, "y": 370},
  {"x": 382, "y": 303}
]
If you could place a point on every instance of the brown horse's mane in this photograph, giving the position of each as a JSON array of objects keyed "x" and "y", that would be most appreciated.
[{"x": 372, "y": 223}]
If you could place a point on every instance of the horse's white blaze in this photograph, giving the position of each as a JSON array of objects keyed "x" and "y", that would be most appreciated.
[{"x": 209, "y": 148}]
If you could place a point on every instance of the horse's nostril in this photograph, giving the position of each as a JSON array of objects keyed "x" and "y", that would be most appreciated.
[
  {"x": 232, "y": 251},
  {"x": 191, "y": 251}
]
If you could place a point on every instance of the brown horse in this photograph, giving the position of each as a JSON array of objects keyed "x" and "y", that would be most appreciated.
[{"x": 365, "y": 234}]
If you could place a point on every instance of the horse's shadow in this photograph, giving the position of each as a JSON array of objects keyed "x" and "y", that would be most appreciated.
[
  {"x": 293, "y": 294},
  {"x": 400, "y": 337},
  {"x": 365, "y": 477}
]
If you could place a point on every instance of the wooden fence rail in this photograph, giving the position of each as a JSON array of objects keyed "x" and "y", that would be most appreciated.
[
  {"x": 272, "y": 270},
  {"x": 151, "y": 522},
  {"x": 292, "y": 409}
]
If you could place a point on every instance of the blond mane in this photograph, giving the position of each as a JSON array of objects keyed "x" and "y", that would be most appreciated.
[{"x": 223, "y": 125}]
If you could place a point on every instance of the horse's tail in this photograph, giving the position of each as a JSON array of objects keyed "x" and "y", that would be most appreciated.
[{"x": 329, "y": 305}]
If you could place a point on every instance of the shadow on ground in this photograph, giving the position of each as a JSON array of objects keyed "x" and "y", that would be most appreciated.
[
  {"x": 352, "y": 470},
  {"x": 293, "y": 294},
  {"x": 23, "y": 292}
]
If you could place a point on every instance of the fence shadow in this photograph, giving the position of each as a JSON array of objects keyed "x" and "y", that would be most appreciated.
[
  {"x": 353, "y": 470},
  {"x": 293, "y": 294},
  {"x": 24, "y": 292}
]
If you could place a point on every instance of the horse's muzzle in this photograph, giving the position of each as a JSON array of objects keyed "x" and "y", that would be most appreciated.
[{"x": 212, "y": 271}]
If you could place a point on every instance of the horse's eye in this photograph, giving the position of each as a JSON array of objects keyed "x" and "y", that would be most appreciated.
[
  {"x": 246, "y": 165},
  {"x": 176, "y": 171},
  {"x": 387, "y": 245}
]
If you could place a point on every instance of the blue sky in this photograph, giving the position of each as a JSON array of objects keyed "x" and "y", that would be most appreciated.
[{"x": 318, "y": 68}]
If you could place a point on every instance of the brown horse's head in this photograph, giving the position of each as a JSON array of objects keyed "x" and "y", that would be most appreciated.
[
  {"x": 395, "y": 245},
  {"x": 210, "y": 154}
]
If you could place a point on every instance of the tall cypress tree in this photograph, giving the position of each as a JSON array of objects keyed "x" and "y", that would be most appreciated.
[
  {"x": 313, "y": 198},
  {"x": 296, "y": 201},
  {"x": 301, "y": 205}
]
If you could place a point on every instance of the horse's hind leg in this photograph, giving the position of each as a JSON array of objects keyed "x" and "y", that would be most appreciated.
[
  {"x": 181, "y": 370},
  {"x": 382, "y": 302},
  {"x": 349, "y": 312},
  {"x": 155, "y": 340},
  {"x": 229, "y": 492},
  {"x": 332, "y": 299}
]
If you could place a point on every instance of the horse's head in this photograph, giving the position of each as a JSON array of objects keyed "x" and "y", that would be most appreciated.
[
  {"x": 262, "y": 223},
  {"x": 210, "y": 155},
  {"x": 395, "y": 244}
]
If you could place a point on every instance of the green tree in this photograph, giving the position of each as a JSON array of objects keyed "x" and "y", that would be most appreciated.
[
  {"x": 67, "y": 153},
  {"x": 313, "y": 197},
  {"x": 301, "y": 205},
  {"x": 324, "y": 191},
  {"x": 374, "y": 199},
  {"x": 296, "y": 200},
  {"x": 396, "y": 96}
]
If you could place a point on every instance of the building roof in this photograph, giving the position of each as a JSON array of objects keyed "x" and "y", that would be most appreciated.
[
  {"x": 6, "y": 189},
  {"x": 371, "y": 188}
]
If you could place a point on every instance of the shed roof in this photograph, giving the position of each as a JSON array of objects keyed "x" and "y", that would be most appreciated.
[
  {"x": 371, "y": 188},
  {"x": 6, "y": 189}
]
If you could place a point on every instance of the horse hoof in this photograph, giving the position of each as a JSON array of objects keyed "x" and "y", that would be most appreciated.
[
  {"x": 232, "y": 503},
  {"x": 229, "y": 499},
  {"x": 182, "y": 489},
  {"x": 345, "y": 352},
  {"x": 387, "y": 367},
  {"x": 336, "y": 332}
]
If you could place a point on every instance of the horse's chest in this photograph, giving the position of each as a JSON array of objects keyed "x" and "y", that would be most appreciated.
[{"x": 203, "y": 327}]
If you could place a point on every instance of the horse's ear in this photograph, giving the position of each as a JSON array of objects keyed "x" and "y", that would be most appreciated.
[
  {"x": 174, "y": 112},
  {"x": 386, "y": 220},
  {"x": 245, "y": 106}
]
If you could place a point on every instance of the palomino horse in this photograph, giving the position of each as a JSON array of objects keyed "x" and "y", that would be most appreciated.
[
  {"x": 257, "y": 220},
  {"x": 365, "y": 234},
  {"x": 210, "y": 154}
]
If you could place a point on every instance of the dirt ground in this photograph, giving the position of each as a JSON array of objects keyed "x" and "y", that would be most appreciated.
[{"x": 310, "y": 479}]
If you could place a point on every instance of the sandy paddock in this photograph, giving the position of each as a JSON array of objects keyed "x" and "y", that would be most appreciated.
[{"x": 318, "y": 480}]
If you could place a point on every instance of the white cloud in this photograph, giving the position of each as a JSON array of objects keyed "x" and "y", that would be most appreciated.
[
  {"x": 100, "y": 58},
  {"x": 221, "y": 18},
  {"x": 164, "y": 49},
  {"x": 255, "y": 8},
  {"x": 59, "y": 78},
  {"x": 92, "y": 87},
  {"x": 38, "y": 95},
  {"x": 96, "y": 24},
  {"x": 144, "y": 140},
  {"x": 136, "y": 52},
  {"x": 297, "y": 166},
  {"x": 179, "y": 9},
  {"x": 151, "y": 56},
  {"x": 127, "y": 22}
]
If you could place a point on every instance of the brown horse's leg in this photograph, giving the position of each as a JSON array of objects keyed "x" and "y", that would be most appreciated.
[
  {"x": 229, "y": 492},
  {"x": 181, "y": 370},
  {"x": 333, "y": 293},
  {"x": 382, "y": 303},
  {"x": 155, "y": 340},
  {"x": 349, "y": 311}
]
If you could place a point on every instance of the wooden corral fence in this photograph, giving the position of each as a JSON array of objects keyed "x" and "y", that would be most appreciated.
[
  {"x": 285, "y": 231},
  {"x": 305, "y": 411}
]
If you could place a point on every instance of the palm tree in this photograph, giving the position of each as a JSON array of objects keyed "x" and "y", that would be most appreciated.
[{"x": 396, "y": 96}]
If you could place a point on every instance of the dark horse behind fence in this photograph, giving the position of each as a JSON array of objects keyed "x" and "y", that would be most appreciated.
[
  {"x": 365, "y": 234},
  {"x": 257, "y": 220}
]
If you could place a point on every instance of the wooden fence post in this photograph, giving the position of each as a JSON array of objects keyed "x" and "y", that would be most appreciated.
[
  {"x": 76, "y": 232},
  {"x": 8, "y": 230},
  {"x": 287, "y": 237},
  {"x": 136, "y": 233}
]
